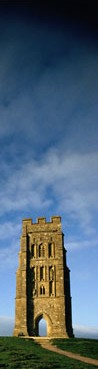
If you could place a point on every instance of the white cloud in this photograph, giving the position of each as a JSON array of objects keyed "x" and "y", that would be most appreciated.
[
  {"x": 9, "y": 244},
  {"x": 9, "y": 255},
  {"x": 85, "y": 331},
  {"x": 6, "y": 326},
  {"x": 67, "y": 180},
  {"x": 9, "y": 230},
  {"x": 78, "y": 245}
]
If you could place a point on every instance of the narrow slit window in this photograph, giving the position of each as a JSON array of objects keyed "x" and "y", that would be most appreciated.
[
  {"x": 51, "y": 273},
  {"x": 33, "y": 273},
  {"x": 50, "y": 250},
  {"x": 50, "y": 288},
  {"x": 42, "y": 290},
  {"x": 41, "y": 273},
  {"x": 33, "y": 251}
]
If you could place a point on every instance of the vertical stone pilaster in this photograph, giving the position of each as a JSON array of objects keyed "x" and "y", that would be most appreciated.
[{"x": 21, "y": 291}]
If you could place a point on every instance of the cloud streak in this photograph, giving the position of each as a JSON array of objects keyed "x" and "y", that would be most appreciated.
[
  {"x": 8, "y": 255},
  {"x": 80, "y": 245},
  {"x": 68, "y": 180},
  {"x": 11, "y": 228},
  {"x": 6, "y": 326},
  {"x": 86, "y": 332}
]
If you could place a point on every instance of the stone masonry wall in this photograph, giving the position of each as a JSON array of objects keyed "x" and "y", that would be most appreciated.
[{"x": 41, "y": 280}]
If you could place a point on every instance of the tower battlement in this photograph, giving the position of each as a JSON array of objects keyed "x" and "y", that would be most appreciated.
[
  {"x": 53, "y": 219},
  {"x": 42, "y": 225}
]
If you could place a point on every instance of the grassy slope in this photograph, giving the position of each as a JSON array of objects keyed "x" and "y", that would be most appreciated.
[
  {"x": 84, "y": 347},
  {"x": 16, "y": 353}
]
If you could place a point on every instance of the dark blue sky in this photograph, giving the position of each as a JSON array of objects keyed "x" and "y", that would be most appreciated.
[{"x": 49, "y": 138}]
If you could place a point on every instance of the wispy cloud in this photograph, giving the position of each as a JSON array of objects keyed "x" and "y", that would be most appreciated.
[
  {"x": 78, "y": 245},
  {"x": 6, "y": 326},
  {"x": 9, "y": 255},
  {"x": 9, "y": 230},
  {"x": 86, "y": 331},
  {"x": 9, "y": 244},
  {"x": 68, "y": 182}
]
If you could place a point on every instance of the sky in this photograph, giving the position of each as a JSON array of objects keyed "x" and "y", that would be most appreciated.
[{"x": 49, "y": 144}]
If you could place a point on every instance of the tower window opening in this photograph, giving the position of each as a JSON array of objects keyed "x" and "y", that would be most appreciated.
[
  {"x": 33, "y": 251},
  {"x": 42, "y": 290},
  {"x": 51, "y": 273},
  {"x": 41, "y": 273},
  {"x": 51, "y": 288},
  {"x": 33, "y": 273},
  {"x": 50, "y": 250}
]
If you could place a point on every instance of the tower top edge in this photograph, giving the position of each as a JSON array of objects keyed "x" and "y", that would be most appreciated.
[{"x": 42, "y": 220}]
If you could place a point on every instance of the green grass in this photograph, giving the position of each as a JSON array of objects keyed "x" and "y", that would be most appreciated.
[
  {"x": 84, "y": 347},
  {"x": 21, "y": 353}
]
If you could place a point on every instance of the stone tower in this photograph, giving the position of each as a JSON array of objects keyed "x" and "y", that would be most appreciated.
[{"x": 43, "y": 281}]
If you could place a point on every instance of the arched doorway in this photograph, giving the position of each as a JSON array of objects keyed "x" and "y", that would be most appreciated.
[
  {"x": 42, "y": 328},
  {"x": 43, "y": 325}
]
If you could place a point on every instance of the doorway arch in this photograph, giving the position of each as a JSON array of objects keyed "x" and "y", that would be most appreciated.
[
  {"x": 42, "y": 328},
  {"x": 43, "y": 325}
]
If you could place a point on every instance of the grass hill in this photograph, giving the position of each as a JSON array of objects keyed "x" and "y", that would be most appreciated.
[
  {"x": 21, "y": 353},
  {"x": 84, "y": 347}
]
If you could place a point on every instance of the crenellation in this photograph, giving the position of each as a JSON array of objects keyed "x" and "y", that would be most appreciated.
[{"x": 41, "y": 220}]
